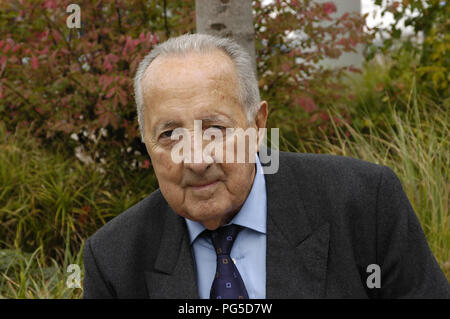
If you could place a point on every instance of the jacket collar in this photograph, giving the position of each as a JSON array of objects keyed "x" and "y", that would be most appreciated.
[{"x": 173, "y": 275}]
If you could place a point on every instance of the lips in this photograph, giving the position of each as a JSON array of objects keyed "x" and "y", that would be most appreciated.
[{"x": 204, "y": 184}]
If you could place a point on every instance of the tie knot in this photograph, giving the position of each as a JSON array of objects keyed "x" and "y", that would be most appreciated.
[{"x": 223, "y": 238}]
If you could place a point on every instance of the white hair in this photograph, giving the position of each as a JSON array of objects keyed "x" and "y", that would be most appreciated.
[{"x": 201, "y": 43}]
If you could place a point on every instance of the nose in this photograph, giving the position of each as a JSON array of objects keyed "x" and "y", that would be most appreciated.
[
  {"x": 198, "y": 168},
  {"x": 197, "y": 162}
]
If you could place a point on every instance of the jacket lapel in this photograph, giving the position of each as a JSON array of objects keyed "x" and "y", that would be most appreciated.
[
  {"x": 297, "y": 249},
  {"x": 173, "y": 274}
]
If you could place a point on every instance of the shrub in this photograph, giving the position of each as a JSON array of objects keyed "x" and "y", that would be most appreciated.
[
  {"x": 422, "y": 55},
  {"x": 297, "y": 86},
  {"x": 76, "y": 85}
]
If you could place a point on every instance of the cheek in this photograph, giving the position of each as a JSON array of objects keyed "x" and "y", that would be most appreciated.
[
  {"x": 238, "y": 179},
  {"x": 166, "y": 170},
  {"x": 169, "y": 176}
]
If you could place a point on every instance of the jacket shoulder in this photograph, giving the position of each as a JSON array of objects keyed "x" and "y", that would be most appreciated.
[
  {"x": 335, "y": 173},
  {"x": 335, "y": 165},
  {"x": 332, "y": 187},
  {"x": 144, "y": 216}
]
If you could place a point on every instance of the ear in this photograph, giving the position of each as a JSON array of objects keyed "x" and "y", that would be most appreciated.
[
  {"x": 261, "y": 115},
  {"x": 261, "y": 120}
]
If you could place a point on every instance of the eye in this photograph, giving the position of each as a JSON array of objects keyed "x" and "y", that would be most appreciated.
[
  {"x": 166, "y": 134},
  {"x": 218, "y": 127}
]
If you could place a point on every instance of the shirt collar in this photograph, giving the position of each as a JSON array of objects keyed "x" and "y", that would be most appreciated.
[{"x": 252, "y": 214}]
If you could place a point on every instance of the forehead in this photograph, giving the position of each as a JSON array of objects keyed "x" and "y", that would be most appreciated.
[
  {"x": 191, "y": 83},
  {"x": 174, "y": 72}
]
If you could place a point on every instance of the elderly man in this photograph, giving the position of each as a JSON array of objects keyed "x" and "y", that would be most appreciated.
[{"x": 320, "y": 227}]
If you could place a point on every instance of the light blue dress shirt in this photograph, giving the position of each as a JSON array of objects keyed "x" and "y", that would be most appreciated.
[{"x": 249, "y": 248}]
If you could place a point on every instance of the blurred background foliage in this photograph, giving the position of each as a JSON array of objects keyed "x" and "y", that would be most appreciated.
[
  {"x": 424, "y": 53},
  {"x": 71, "y": 157}
]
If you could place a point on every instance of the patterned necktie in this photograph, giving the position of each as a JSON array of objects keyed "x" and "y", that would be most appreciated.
[{"x": 227, "y": 283}]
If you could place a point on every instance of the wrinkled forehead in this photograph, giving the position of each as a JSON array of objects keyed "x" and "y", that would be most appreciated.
[{"x": 178, "y": 70}]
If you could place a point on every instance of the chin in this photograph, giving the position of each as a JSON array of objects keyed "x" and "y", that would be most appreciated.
[{"x": 208, "y": 212}]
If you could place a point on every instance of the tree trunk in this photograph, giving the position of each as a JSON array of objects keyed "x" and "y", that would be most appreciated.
[{"x": 228, "y": 18}]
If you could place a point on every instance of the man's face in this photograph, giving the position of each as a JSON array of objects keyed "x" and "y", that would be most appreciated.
[{"x": 177, "y": 91}]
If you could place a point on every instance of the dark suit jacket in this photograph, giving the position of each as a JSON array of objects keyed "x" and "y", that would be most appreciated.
[{"x": 328, "y": 218}]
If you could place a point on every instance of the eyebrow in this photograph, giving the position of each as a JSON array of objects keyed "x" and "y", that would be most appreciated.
[
  {"x": 166, "y": 125},
  {"x": 217, "y": 118}
]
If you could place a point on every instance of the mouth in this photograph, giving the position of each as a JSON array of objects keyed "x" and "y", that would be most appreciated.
[{"x": 205, "y": 185}]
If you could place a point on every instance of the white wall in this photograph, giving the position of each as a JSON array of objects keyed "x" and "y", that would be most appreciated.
[{"x": 346, "y": 59}]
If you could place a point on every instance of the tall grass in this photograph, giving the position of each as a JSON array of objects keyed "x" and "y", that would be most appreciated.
[
  {"x": 26, "y": 275},
  {"x": 49, "y": 204},
  {"x": 414, "y": 142},
  {"x": 47, "y": 199}
]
